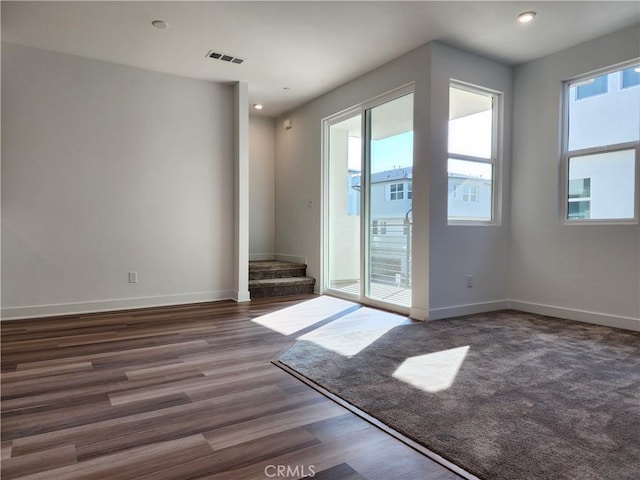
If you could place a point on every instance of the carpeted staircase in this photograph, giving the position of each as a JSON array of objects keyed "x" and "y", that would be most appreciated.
[{"x": 273, "y": 278}]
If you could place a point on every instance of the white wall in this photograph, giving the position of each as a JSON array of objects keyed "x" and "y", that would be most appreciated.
[
  {"x": 109, "y": 169},
  {"x": 460, "y": 250},
  {"x": 442, "y": 255},
  {"x": 261, "y": 188},
  {"x": 587, "y": 272}
]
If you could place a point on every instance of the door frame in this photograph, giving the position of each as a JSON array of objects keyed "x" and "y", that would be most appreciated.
[{"x": 361, "y": 109}]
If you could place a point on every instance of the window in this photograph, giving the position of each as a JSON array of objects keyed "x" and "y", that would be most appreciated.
[
  {"x": 473, "y": 153},
  {"x": 396, "y": 191},
  {"x": 631, "y": 77},
  {"x": 600, "y": 151},
  {"x": 410, "y": 191},
  {"x": 466, "y": 193},
  {"x": 592, "y": 86}
]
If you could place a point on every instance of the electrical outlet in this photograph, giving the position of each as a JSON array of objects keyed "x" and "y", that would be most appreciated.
[
  {"x": 133, "y": 277},
  {"x": 469, "y": 280}
]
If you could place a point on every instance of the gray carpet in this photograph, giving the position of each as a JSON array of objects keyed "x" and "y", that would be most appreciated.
[{"x": 534, "y": 397}]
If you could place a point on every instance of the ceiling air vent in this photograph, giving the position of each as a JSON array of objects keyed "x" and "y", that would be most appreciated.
[{"x": 225, "y": 57}]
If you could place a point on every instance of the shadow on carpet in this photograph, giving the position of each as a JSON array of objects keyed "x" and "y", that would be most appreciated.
[{"x": 505, "y": 395}]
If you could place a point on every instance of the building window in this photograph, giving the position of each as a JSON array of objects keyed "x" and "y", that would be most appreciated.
[
  {"x": 467, "y": 193},
  {"x": 396, "y": 191},
  {"x": 592, "y": 86},
  {"x": 631, "y": 77},
  {"x": 409, "y": 190},
  {"x": 579, "y": 198},
  {"x": 600, "y": 152},
  {"x": 473, "y": 154}
]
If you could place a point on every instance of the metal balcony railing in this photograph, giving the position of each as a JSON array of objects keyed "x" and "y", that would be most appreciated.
[{"x": 390, "y": 252}]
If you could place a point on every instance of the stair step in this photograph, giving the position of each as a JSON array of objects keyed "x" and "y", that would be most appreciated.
[
  {"x": 280, "y": 287},
  {"x": 266, "y": 269}
]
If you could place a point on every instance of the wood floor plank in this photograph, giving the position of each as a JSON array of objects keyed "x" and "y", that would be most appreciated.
[
  {"x": 127, "y": 464},
  {"x": 44, "y": 372},
  {"x": 6, "y": 448},
  {"x": 176, "y": 393},
  {"x": 268, "y": 425},
  {"x": 38, "y": 462}
]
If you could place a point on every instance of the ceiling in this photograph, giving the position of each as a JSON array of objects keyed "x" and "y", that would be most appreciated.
[{"x": 296, "y": 51}]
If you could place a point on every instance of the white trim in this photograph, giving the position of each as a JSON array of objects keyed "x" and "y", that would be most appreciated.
[
  {"x": 241, "y": 189},
  {"x": 419, "y": 313},
  {"x": 262, "y": 256},
  {"x": 241, "y": 297},
  {"x": 74, "y": 308},
  {"x": 282, "y": 257},
  {"x": 363, "y": 109},
  {"x": 566, "y": 154},
  {"x": 497, "y": 153},
  {"x": 607, "y": 320},
  {"x": 469, "y": 309}
]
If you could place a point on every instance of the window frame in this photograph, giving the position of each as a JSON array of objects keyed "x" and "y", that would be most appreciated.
[
  {"x": 567, "y": 155},
  {"x": 493, "y": 160},
  {"x": 398, "y": 191}
]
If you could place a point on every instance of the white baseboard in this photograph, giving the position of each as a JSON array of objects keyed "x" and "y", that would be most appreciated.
[
  {"x": 458, "y": 310},
  {"x": 262, "y": 256},
  {"x": 290, "y": 258},
  {"x": 241, "y": 296},
  {"x": 419, "y": 313},
  {"x": 626, "y": 323},
  {"x": 35, "y": 311}
]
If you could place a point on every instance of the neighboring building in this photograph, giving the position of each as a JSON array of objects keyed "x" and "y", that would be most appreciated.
[
  {"x": 469, "y": 197},
  {"x": 391, "y": 205},
  {"x": 601, "y": 185}
]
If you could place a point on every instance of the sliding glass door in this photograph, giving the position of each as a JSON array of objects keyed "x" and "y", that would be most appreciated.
[{"x": 369, "y": 202}]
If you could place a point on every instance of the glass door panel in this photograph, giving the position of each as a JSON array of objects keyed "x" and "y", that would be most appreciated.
[
  {"x": 344, "y": 186},
  {"x": 388, "y": 204}
]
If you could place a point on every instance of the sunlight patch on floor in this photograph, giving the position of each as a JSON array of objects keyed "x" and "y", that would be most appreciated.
[
  {"x": 298, "y": 317},
  {"x": 349, "y": 335},
  {"x": 432, "y": 372}
]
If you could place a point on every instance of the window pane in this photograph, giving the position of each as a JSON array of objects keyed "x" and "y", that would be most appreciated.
[
  {"x": 470, "y": 190},
  {"x": 579, "y": 210},
  {"x": 470, "y": 123},
  {"x": 591, "y": 87},
  {"x": 344, "y": 202},
  {"x": 607, "y": 119},
  {"x": 631, "y": 77},
  {"x": 608, "y": 180}
]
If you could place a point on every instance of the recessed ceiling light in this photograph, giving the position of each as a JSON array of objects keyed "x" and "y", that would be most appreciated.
[
  {"x": 161, "y": 24},
  {"x": 257, "y": 106},
  {"x": 526, "y": 17}
]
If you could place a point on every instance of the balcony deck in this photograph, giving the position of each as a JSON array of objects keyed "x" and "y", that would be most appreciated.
[{"x": 398, "y": 295}]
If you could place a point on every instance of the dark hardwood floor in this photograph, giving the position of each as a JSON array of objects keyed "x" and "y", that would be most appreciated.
[{"x": 180, "y": 392}]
